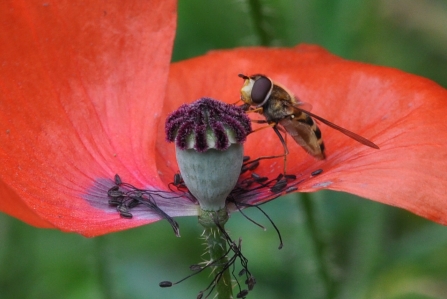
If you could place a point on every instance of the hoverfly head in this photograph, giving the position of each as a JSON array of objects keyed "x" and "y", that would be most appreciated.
[{"x": 256, "y": 89}]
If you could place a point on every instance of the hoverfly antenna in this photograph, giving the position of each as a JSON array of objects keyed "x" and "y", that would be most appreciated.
[{"x": 243, "y": 76}]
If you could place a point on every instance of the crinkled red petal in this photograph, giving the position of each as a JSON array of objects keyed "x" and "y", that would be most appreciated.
[
  {"x": 402, "y": 113},
  {"x": 81, "y": 90}
]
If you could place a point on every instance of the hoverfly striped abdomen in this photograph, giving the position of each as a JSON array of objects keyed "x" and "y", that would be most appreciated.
[{"x": 305, "y": 132}]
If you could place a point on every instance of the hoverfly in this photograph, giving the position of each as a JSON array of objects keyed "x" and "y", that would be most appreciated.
[{"x": 280, "y": 107}]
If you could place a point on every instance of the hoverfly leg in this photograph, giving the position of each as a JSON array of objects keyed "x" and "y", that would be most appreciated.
[
  {"x": 271, "y": 125},
  {"x": 251, "y": 162},
  {"x": 259, "y": 110},
  {"x": 259, "y": 121},
  {"x": 284, "y": 144}
]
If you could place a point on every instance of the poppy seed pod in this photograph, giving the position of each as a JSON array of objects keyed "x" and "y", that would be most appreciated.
[{"x": 208, "y": 135}]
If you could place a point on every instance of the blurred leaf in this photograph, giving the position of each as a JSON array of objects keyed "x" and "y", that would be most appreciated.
[{"x": 206, "y": 25}]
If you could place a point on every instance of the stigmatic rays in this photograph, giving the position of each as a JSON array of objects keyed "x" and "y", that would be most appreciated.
[{"x": 283, "y": 111}]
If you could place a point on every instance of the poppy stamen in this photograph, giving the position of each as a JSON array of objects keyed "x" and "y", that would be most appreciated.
[
  {"x": 238, "y": 206},
  {"x": 316, "y": 172},
  {"x": 236, "y": 249},
  {"x": 125, "y": 197}
]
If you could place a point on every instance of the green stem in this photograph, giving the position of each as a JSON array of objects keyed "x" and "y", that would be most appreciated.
[
  {"x": 19, "y": 259},
  {"x": 259, "y": 22},
  {"x": 102, "y": 267},
  {"x": 319, "y": 245},
  {"x": 217, "y": 248}
]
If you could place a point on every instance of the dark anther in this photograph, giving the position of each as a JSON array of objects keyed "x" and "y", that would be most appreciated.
[
  {"x": 122, "y": 209},
  {"x": 250, "y": 165},
  {"x": 200, "y": 295},
  {"x": 136, "y": 194},
  {"x": 115, "y": 192},
  {"x": 126, "y": 215},
  {"x": 291, "y": 189},
  {"x": 178, "y": 185},
  {"x": 115, "y": 201},
  {"x": 247, "y": 182},
  {"x": 290, "y": 176},
  {"x": 255, "y": 176},
  {"x": 242, "y": 294},
  {"x": 114, "y": 188},
  {"x": 261, "y": 179},
  {"x": 165, "y": 284},
  {"x": 242, "y": 272},
  {"x": 244, "y": 169},
  {"x": 316, "y": 172},
  {"x": 133, "y": 203},
  {"x": 246, "y": 158},
  {"x": 250, "y": 282},
  {"x": 253, "y": 166},
  {"x": 279, "y": 186},
  {"x": 195, "y": 267},
  {"x": 118, "y": 180},
  {"x": 178, "y": 179}
]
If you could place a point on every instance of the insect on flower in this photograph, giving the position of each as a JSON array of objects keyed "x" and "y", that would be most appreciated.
[{"x": 280, "y": 107}]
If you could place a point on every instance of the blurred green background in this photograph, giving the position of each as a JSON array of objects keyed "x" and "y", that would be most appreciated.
[{"x": 336, "y": 245}]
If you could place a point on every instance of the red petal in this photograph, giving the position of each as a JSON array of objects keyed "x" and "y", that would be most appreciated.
[
  {"x": 402, "y": 113},
  {"x": 82, "y": 86}
]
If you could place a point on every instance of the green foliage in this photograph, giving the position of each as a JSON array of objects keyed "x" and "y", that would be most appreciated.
[{"x": 355, "y": 248}]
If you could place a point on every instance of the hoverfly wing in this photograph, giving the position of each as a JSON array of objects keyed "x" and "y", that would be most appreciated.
[
  {"x": 305, "y": 132},
  {"x": 348, "y": 133},
  {"x": 302, "y": 105}
]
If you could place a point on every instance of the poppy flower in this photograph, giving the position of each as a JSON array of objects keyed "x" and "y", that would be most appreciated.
[{"x": 85, "y": 91}]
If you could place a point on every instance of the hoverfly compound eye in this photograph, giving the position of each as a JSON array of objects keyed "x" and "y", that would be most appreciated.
[{"x": 261, "y": 90}]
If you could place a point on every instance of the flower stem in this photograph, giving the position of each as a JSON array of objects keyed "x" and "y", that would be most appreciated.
[
  {"x": 217, "y": 248},
  {"x": 319, "y": 245},
  {"x": 102, "y": 267},
  {"x": 259, "y": 22}
]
